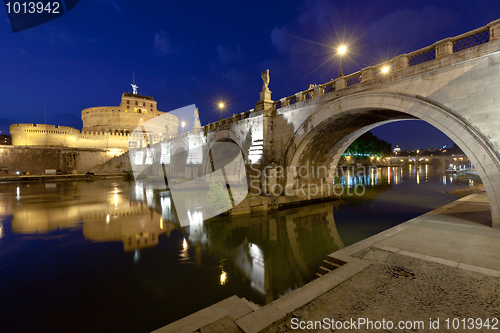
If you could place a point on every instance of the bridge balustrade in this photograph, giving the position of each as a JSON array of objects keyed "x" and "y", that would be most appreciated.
[
  {"x": 328, "y": 87},
  {"x": 423, "y": 56},
  {"x": 437, "y": 50},
  {"x": 309, "y": 94},
  {"x": 353, "y": 79},
  {"x": 476, "y": 39}
]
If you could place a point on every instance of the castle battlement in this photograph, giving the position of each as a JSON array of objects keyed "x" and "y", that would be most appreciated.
[{"x": 103, "y": 127}]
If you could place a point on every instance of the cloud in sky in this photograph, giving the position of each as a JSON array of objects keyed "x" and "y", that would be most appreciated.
[
  {"x": 321, "y": 13},
  {"x": 197, "y": 81},
  {"x": 162, "y": 45},
  {"x": 228, "y": 55},
  {"x": 279, "y": 39},
  {"x": 43, "y": 35},
  {"x": 237, "y": 77},
  {"x": 113, "y": 4},
  {"x": 406, "y": 28}
]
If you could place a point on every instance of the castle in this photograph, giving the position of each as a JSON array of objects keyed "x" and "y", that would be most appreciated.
[{"x": 104, "y": 127}]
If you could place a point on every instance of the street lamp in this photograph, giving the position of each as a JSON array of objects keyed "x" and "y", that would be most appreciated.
[
  {"x": 183, "y": 123},
  {"x": 221, "y": 106},
  {"x": 341, "y": 51}
]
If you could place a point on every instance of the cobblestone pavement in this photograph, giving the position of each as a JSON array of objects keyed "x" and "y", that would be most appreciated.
[{"x": 401, "y": 288}]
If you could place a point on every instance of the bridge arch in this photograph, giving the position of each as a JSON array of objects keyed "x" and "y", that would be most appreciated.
[
  {"x": 224, "y": 136},
  {"x": 179, "y": 154},
  {"x": 228, "y": 136},
  {"x": 322, "y": 138}
]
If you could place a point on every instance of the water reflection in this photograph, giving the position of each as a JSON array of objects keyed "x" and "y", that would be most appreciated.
[
  {"x": 402, "y": 193},
  {"x": 112, "y": 243},
  {"x": 106, "y": 216},
  {"x": 273, "y": 253},
  {"x": 396, "y": 175}
]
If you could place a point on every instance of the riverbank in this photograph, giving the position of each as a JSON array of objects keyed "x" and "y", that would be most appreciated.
[
  {"x": 80, "y": 176},
  {"x": 468, "y": 191},
  {"x": 443, "y": 264}
]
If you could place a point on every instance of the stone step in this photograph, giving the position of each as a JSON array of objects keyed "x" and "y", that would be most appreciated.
[
  {"x": 251, "y": 304},
  {"x": 329, "y": 264},
  {"x": 211, "y": 319},
  {"x": 323, "y": 270},
  {"x": 334, "y": 260}
]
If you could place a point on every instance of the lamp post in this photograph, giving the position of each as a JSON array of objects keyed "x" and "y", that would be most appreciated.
[
  {"x": 183, "y": 123},
  {"x": 221, "y": 106},
  {"x": 341, "y": 51}
]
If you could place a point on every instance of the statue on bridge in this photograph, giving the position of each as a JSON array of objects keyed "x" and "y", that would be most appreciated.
[
  {"x": 266, "y": 79},
  {"x": 196, "y": 123}
]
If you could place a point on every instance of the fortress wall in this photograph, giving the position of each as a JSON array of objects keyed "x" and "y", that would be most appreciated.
[
  {"x": 37, "y": 147},
  {"x": 116, "y": 164},
  {"x": 36, "y": 160},
  {"x": 42, "y": 135},
  {"x": 102, "y": 140},
  {"x": 62, "y": 136},
  {"x": 87, "y": 160},
  {"x": 117, "y": 119}
]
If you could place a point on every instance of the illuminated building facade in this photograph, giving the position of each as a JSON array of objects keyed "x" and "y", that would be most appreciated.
[{"x": 105, "y": 127}]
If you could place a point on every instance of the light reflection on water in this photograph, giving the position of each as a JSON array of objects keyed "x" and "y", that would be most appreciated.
[
  {"x": 117, "y": 245},
  {"x": 372, "y": 176},
  {"x": 392, "y": 195},
  {"x": 101, "y": 242}
]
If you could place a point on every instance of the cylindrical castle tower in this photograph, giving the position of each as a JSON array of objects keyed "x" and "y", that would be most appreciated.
[{"x": 133, "y": 111}]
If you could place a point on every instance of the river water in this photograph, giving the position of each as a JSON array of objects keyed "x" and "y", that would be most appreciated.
[{"x": 109, "y": 255}]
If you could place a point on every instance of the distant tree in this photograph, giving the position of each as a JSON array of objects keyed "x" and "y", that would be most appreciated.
[
  {"x": 456, "y": 149},
  {"x": 369, "y": 144}
]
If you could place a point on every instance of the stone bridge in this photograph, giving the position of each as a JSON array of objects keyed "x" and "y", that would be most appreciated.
[
  {"x": 429, "y": 158},
  {"x": 453, "y": 85}
]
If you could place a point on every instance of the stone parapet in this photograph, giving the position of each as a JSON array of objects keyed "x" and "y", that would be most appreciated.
[{"x": 494, "y": 30}]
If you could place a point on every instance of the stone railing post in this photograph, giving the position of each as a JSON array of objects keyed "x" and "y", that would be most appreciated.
[
  {"x": 400, "y": 62},
  {"x": 444, "y": 47},
  {"x": 266, "y": 103},
  {"x": 494, "y": 30},
  {"x": 284, "y": 102},
  {"x": 367, "y": 74},
  {"x": 319, "y": 91},
  {"x": 340, "y": 83},
  {"x": 299, "y": 97}
]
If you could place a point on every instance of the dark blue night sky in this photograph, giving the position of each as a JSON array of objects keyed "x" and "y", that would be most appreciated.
[{"x": 200, "y": 52}]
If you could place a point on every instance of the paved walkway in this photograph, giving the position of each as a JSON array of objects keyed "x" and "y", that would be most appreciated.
[{"x": 442, "y": 265}]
